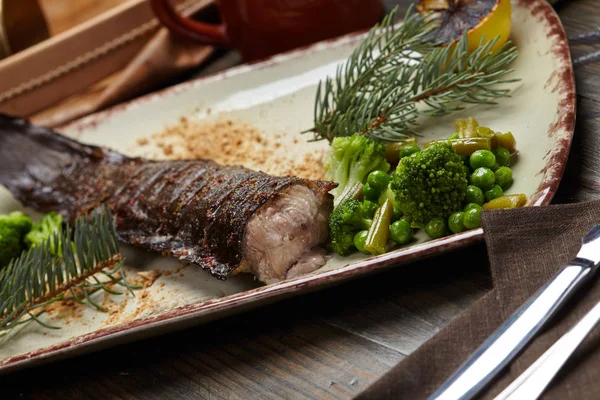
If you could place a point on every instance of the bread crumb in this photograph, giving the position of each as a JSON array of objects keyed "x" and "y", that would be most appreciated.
[{"x": 234, "y": 142}]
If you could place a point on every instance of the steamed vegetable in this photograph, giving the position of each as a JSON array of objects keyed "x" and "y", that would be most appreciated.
[
  {"x": 430, "y": 184},
  {"x": 45, "y": 229},
  {"x": 10, "y": 245},
  {"x": 13, "y": 228},
  {"x": 345, "y": 222},
  {"x": 351, "y": 159}
]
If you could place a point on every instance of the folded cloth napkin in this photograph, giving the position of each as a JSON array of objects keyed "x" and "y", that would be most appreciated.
[
  {"x": 162, "y": 61},
  {"x": 526, "y": 247}
]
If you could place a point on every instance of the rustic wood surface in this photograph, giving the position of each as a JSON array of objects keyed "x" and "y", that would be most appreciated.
[{"x": 326, "y": 345}]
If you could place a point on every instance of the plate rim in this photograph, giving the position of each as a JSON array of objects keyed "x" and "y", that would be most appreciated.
[{"x": 192, "y": 314}]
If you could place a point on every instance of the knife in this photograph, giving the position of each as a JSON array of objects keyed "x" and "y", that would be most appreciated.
[{"x": 520, "y": 328}]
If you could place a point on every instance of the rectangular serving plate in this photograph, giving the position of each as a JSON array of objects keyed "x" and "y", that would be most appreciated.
[{"x": 276, "y": 96}]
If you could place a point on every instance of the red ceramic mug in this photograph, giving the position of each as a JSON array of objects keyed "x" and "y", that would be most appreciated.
[{"x": 260, "y": 28}]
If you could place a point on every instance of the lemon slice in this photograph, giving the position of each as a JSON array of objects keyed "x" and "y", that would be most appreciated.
[{"x": 481, "y": 19}]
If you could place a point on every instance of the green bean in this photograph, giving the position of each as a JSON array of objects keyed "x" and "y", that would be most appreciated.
[
  {"x": 506, "y": 201},
  {"x": 392, "y": 150},
  {"x": 466, "y": 128},
  {"x": 464, "y": 146},
  {"x": 352, "y": 192},
  {"x": 506, "y": 140},
  {"x": 380, "y": 229}
]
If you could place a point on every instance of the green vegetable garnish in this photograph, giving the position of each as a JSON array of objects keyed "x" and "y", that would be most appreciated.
[
  {"x": 49, "y": 226},
  {"x": 436, "y": 228},
  {"x": 456, "y": 222},
  {"x": 371, "y": 193},
  {"x": 474, "y": 195},
  {"x": 401, "y": 232},
  {"x": 344, "y": 223},
  {"x": 495, "y": 192},
  {"x": 472, "y": 218},
  {"x": 409, "y": 149},
  {"x": 378, "y": 180},
  {"x": 482, "y": 158},
  {"x": 351, "y": 159},
  {"x": 13, "y": 228},
  {"x": 10, "y": 245},
  {"x": 470, "y": 206},
  {"x": 483, "y": 178},
  {"x": 359, "y": 241},
  {"x": 431, "y": 184},
  {"x": 502, "y": 156},
  {"x": 368, "y": 208},
  {"x": 18, "y": 221},
  {"x": 379, "y": 231},
  {"x": 504, "y": 177}
]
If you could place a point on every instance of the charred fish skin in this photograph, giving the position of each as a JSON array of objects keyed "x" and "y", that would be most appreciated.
[{"x": 194, "y": 210}]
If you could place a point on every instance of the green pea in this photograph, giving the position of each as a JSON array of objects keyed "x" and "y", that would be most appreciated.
[
  {"x": 482, "y": 158},
  {"x": 456, "y": 223},
  {"x": 401, "y": 232},
  {"x": 502, "y": 156},
  {"x": 474, "y": 195},
  {"x": 396, "y": 213},
  {"x": 409, "y": 149},
  {"x": 379, "y": 180},
  {"x": 453, "y": 136},
  {"x": 370, "y": 193},
  {"x": 495, "y": 192},
  {"x": 472, "y": 218},
  {"x": 483, "y": 178},
  {"x": 504, "y": 177},
  {"x": 359, "y": 241},
  {"x": 471, "y": 206},
  {"x": 436, "y": 228},
  {"x": 495, "y": 167}
]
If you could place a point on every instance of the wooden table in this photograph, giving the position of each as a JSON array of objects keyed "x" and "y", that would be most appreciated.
[{"x": 329, "y": 344}]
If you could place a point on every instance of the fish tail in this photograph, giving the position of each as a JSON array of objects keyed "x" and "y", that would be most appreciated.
[{"x": 34, "y": 158}]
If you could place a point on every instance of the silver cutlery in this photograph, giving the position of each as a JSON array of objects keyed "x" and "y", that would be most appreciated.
[
  {"x": 534, "y": 380},
  {"x": 520, "y": 328}
]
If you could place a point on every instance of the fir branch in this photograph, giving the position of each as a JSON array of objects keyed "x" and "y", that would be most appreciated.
[
  {"x": 397, "y": 74},
  {"x": 38, "y": 278}
]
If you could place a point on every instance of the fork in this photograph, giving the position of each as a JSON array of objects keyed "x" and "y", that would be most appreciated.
[{"x": 534, "y": 380}]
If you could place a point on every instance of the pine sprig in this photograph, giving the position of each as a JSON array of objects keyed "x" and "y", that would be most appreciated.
[
  {"x": 39, "y": 278},
  {"x": 397, "y": 74}
]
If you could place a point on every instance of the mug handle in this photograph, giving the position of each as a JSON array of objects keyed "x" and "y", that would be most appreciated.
[{"x": 209, "y": 34}]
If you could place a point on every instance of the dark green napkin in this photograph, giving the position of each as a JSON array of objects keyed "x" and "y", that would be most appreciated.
[{"x": 526, "y": 246}]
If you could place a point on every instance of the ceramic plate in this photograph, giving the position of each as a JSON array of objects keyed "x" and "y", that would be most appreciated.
[{"x": 254, "y": 114}]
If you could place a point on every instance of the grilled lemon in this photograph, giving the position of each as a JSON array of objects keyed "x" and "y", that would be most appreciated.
[{"x": 481, "y": 19}]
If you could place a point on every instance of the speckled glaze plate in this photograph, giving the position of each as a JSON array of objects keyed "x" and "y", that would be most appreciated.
[{"x": 274, "y": 99}]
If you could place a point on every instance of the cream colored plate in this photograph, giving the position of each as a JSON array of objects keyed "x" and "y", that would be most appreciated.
[{"x": 276, "y": 98}]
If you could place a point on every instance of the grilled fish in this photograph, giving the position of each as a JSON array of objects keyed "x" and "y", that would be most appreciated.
[{"x": 226, "y": 219}]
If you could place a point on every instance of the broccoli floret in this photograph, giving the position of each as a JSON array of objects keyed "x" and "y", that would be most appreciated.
[
  {"x": 45, "y": 229},
  {"x": 351, "y": 159},
  {"x": 345, "y": 221},
  {"x": 13, "y": 228},
  {"x": 10, "y": 245},
  {"x": 430, "y": 184},
  {"x": 18, "y": 221},
  {"x": 369, "y": 208}
]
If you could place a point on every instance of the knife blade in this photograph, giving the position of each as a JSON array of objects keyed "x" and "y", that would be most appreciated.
[{"x": 520, "y": 328}]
